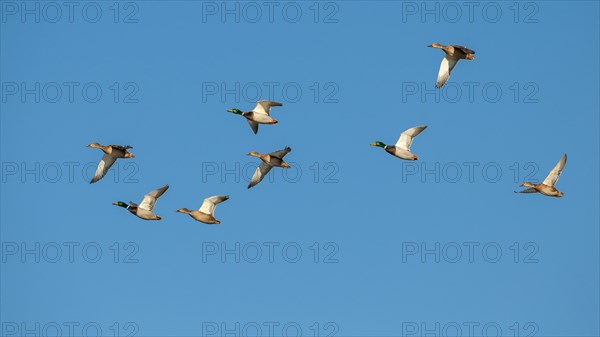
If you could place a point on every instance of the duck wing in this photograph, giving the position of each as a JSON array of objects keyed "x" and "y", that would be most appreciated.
[
  {"x": 259, "y": 174},
  {"x": 552, "y": 177},
  {"x": 264, "y": 107},
  {"x": 446, "y": 67},
  {"x": 253, "y": 125},
  {"x": 281, "y": 153},
  {"x": 151, "y": 198},
  {"x": 407, "y": 137},
  {"x": 103, "y": 166},
  {"x": 209, "y": 204}
]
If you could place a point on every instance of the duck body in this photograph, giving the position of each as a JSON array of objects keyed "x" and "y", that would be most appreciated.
[
  {"x": 400, "y": 153},
  {"x": 259, "y": 118},
  {"x": 455, "y": 51},
  {"x": 144, "y": 213},
  {"x": 200, "y": 216},
  {"x": 270, "y": 159},
  {"x": 546, "y": 190}
]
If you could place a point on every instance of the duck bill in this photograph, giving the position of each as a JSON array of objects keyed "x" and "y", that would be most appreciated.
[{"x": 373, "y": 144}]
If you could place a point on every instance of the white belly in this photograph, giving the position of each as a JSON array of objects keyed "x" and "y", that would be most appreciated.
[{"x": 262, "y": 119}]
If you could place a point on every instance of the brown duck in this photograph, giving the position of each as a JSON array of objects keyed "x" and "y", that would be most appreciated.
[
  {"x": 206, "y": 212},
  {"x": 547, "y": 186},
  {"x": 453, "y": 53},
  {"x": 111, "y": 154}
]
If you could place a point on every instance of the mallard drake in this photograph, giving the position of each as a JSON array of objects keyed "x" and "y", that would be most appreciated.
[
  {"x": 259, "y": 115},
  {"x": 206, "y": 212},
  {"x": 453, "y": 54},
  {"x": 111, "y": 154},
  {"x": 402, "y": 147},
  {"x": 273, "y": 159},
  {"x": 144, "y": 210},
  {"x": 547, "y": 186}
]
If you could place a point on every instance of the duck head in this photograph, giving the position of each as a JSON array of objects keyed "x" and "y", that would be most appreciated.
[
  {"x": 435, "y": 45},
  {"x": 94, "y": 145},
  {"x": 120, "y": 204},
  {"x": 527, "y": 184},
  {"x": 183, "y": 210},
  {"x": 235, "y": 111},
  {"x": 379, "y": 144}
]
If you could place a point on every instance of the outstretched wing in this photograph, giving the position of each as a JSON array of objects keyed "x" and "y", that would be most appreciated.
[
  {"x": 209, "y": 204},
  {"x": 150, "y": 198},
  {"x": 552, "y": 177},
  {"x": 445, "y": 68},
  {"x": 253, "y": 125},
  {"x": 281, "y": 153},
  {"x": 259, "y": 174},
  {"x": 407, "y": 137},
  {"x": 264, "y": 107},
  {"x": 103, "y": 166}
]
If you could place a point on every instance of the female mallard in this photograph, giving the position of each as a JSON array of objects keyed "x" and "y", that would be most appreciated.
[
  {"x": 111, "y": 154},
  {"x": 547, "y": 186},
  {"x": 144, "y": 210},
  {"x": 274, "y": 159},
  {"x": 402, "y": 147},
  {"x": 206, "y": 212},
  {"x": 259, "y": 115},
  {"x": 453, "y": 54}
]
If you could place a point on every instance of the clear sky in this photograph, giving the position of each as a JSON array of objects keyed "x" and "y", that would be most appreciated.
[{"x": 387, "y": 247}]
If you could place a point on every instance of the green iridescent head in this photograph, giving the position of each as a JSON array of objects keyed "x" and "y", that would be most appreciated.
[
  {"x": 378, "y": 143},
  {"x": 235, "y": 111},
  {"x": 120, "y": 204}
]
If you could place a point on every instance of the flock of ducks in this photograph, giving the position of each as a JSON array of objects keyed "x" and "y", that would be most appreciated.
[{"x": 261, "y": 114}]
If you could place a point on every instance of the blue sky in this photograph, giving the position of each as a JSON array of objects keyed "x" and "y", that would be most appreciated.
[{"x": 348, "y": 74}]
